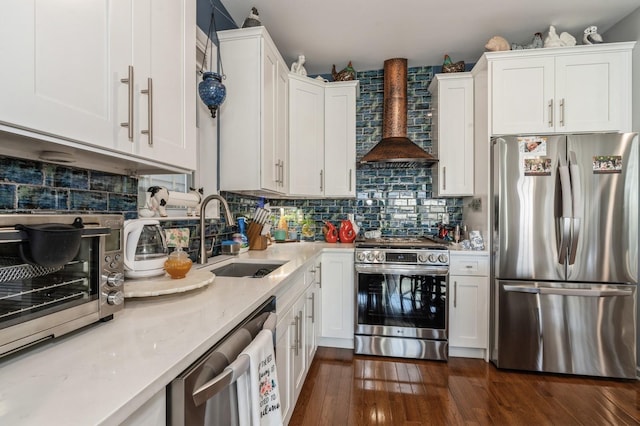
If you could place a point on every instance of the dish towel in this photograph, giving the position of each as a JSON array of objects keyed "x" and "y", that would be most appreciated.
[{"x": 258, "y": 396}]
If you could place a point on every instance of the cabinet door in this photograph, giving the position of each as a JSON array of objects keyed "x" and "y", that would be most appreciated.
[
  {"x": 311, "y": 322},
  {"x": 282, "y": 128},
  {"x": 338, "y": 296},
  {"x": 165, "y": 84},
  {"x": 468, "y": 311},
  {"x": 270, "y": 159},
  {"x": 62, "y": 65},
  {"x": 592, "y": 92},
  {"x": 522, "y": 95},
  {"x": 285, "y": 333},
  {"x": 306, "y": 136},
  {"x": 298, "y": 370},
  {"x": 340, "y": 140},
  {"x": 454, "y": 133}
]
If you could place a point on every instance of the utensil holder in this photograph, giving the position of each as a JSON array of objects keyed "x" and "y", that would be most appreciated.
[{"x": 256, "y": 240}]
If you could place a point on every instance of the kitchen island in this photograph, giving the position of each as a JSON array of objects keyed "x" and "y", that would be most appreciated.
[{"x": 103, "y": 373}]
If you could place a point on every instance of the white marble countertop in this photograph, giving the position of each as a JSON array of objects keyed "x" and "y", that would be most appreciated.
[{"x": 103, "y": 373}]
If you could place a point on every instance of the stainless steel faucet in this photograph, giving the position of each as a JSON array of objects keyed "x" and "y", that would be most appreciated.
[{"x": 202, "y": 253}]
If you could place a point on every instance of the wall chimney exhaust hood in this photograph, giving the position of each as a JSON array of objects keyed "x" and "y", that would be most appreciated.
[{"x": 396, "y": 150}]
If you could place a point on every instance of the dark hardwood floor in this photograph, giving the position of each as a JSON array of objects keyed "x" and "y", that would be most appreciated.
[{"x": 346, "y": 389}]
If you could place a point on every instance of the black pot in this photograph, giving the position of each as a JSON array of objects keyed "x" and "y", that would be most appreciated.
[{"x": 51, "y": 244}]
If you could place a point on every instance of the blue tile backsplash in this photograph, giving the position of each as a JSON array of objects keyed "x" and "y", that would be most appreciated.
[{"x": 397, "y": 201}]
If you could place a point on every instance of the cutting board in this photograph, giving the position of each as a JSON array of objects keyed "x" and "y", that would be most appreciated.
[{"x": 164, "y": 284}]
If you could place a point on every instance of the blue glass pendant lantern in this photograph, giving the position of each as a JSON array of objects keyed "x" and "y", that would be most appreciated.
[{"x": 212, "y": 91}]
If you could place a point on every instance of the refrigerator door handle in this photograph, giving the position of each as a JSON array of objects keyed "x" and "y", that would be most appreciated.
[
  {"x": 586, "y": 292},
  {"x": 576, "y": 193},
  {"x": 521, "y": 288},
  {"x": 567, "y": 213}
]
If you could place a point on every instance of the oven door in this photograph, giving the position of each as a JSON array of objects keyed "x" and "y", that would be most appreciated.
[
  {"x": 402, "y": 301},
  {"x": 38, "y": 303}
]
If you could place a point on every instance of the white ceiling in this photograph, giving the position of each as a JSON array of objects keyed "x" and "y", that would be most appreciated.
[{"x": 369, "y": 31}]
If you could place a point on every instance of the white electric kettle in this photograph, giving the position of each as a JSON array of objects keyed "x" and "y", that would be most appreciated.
[{"x": 145, "y": 248}]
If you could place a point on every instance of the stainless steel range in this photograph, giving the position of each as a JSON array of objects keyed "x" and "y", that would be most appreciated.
[{"x": 402, "y": 298}]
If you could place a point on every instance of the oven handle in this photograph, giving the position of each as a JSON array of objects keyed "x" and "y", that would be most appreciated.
[
  {"x": 231, "y": 373},
  {"x": 438, "y": 271}
]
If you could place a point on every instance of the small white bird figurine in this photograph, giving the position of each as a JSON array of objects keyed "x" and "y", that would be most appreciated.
[
  {"x": 553, "y": 40},
  {"x": 591, "y": 35}
]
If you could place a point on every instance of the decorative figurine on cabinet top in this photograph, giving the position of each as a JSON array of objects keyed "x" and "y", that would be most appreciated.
[
  {"x": 564, "y": 39},
  {"x": 253, "y": 20},
  {"x": 298, "y": 66},
  {"x": 536, "y": 43},
  {"x": 497, "y": 43},
  {"x": 591, "y": 35},
  {"x": 449, "y": 66},
  {"x": 346, "y": 74}
]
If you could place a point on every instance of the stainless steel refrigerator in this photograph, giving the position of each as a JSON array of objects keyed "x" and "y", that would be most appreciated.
[{"x": 565, "y": 245}]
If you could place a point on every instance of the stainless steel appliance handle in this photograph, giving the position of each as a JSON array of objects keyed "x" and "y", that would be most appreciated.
[
  {"x": 149, "y": 91},
  {"x": 129, "y": 123},
  {"x": 567, "y": 207},
  {"x": 404, "y": 269},
  {"x": 586, "y": 292},
  {"x": 231, "y": 373},
  {"x": 576, "y": 192}
]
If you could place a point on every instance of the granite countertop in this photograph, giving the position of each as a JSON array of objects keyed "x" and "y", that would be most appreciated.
[{"x": 101, "y": 374}]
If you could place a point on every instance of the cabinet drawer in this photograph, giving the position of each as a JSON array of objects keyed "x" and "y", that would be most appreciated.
[{"x": 469, "y": 265}]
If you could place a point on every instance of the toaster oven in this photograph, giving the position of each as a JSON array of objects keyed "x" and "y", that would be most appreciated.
[{"x": 43, "y": 299}]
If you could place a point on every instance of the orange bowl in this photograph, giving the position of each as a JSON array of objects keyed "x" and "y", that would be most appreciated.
[{"x": 178, "y": 268}]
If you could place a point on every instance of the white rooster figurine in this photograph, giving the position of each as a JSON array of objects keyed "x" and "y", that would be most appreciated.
[{"x": 591, "y": 35}]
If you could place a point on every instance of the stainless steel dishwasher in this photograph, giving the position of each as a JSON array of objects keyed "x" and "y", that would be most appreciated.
[{"x": 206, "y": 392}]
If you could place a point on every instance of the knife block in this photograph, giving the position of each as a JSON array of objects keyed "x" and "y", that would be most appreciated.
[{"x": 256, "y": 240}]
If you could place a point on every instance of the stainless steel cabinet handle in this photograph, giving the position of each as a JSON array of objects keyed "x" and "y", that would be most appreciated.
[
  {"x": 277, "y": 172},
  {"x": 282, "y": 173},
  {"x": 350, "y": 178},
  {"x": 551, "y": 113},
  {"x": 313, "y": 307},
  {"x": 149, "y": 92},
  {"x": 444, "y": 177},
  {"x": 299, "y": 330},
  {"x": 295, "y": 339},
  {"x": 562, "y": 112},
  {"x": 321, "y": 180},
  {"x": 129, "y": 123},
  {"x": 455, "y": 294},
  {"x": 319, "y": 277}
]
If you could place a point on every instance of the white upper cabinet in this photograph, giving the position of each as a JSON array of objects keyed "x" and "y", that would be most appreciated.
[
  {"x": 570, "y": 89},
  {"x": 340, "y": 139},
  {"x": 452, "y": 128},
  {"x": 322, "y": 137},
  {"x": 165, "y": 84},
  {"x": 306, "y": 136},
  {"x": 253, "y": 134},
  {"x": 69, "y": 62}
]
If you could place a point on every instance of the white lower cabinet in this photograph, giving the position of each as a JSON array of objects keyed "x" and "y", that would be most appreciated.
[
  {"x": 338, "y": 300},
  {"x": 297, "y": 308},
  {"x": 468, "y": 305}
]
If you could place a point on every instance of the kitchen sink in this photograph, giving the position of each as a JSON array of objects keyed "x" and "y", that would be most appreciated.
[{"x": 246, "y": 269}]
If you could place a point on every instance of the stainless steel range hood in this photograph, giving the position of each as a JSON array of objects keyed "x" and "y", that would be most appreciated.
[{"x": 395, "y": 149}]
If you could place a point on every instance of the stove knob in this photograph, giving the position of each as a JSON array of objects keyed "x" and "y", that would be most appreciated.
[
  {"x": 361, "y": 256},
  {"x": 422, "y": 258},
  {"x": 443, "y": 258},
  {"x": 370, "y": 257},
  {"x": 380, "y": 256},
  {"x": 433, "y": 258},
  {"x": 115, "y": 279},
  {"x": 115, "y": 298}
]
